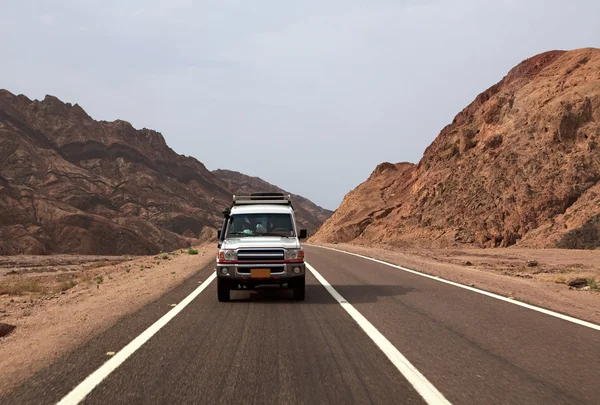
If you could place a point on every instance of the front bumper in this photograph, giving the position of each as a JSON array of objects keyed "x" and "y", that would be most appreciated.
[{"x": 242, "y": 272}]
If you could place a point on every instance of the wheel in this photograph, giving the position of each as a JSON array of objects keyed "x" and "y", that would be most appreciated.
[
  {"x": 298, "y": 288},
  {"x": 223, "y": 290}
]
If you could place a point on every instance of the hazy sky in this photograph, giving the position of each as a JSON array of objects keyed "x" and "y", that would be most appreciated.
[{"x": 309, "y": 95}]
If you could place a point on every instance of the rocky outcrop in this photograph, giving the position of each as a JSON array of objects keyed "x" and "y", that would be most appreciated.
[{"x": 518, "y": 165}]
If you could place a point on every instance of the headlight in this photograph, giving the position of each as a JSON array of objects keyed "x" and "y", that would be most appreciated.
[
  {"x": 228, "y": 255},
  {"x": 294, "y": 254}
]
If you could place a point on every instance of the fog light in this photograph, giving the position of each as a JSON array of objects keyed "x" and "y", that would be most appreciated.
[
  {"x": 297, "y": 270},
  {"x": 224, "y": 271}
]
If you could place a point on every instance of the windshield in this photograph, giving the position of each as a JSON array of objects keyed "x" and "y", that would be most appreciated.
[{"x": 261, "y": 225}]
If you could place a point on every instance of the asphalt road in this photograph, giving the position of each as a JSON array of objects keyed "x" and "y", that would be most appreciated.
[{"x": 264, "y": 349}]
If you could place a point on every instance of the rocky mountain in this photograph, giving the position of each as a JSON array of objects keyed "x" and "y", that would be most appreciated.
[
  {"x": 309, "y": 215},
  {"x": 70, "y": 184},
  {"x": 519, "y": 165}
]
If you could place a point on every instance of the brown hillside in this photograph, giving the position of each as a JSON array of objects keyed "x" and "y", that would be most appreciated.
[
  {"x": 520, "y": 164},
  {"x": 309, "y": 215},
  {"x": 71, "y": 184}
]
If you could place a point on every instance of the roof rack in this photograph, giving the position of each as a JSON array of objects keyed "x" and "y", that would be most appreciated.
[{"x": 263, "y": 198}]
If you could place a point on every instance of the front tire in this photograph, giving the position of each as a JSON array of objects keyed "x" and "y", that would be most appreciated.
[
  {"x": 223, "y": 290},
  {"x": 298, "y": 288}
]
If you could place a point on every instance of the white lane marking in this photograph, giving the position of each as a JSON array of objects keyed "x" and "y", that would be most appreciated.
[
  {"x": 483, "y": 292},
  {"x": 429, "y": 393},
  {"x": 94, "y": 379}
]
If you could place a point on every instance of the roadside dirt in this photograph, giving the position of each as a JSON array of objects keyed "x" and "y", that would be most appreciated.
[
  {"x": 535, "y": 276},
  {"x": 51, "y": 304}
]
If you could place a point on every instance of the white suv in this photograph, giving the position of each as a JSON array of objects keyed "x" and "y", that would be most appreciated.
[{"x": 259, "y": 244}]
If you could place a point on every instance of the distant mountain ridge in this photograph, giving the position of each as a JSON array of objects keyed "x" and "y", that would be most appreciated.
[
  {"x": 70, "y": 184},
  {"x": 309, "y": 215},
  {"x": 519, "y": 165}
]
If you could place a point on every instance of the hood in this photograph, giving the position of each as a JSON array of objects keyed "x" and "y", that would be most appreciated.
[{"x": 261, "y": 242}]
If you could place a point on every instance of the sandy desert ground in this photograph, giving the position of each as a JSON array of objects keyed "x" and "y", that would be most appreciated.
[{"x": 51, "y": 304}]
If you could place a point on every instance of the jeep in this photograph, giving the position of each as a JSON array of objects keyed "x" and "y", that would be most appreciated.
[{"x": 259, "y": 246}]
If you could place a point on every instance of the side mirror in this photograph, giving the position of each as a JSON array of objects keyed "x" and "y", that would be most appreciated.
[{"x": 303, "y": 234}]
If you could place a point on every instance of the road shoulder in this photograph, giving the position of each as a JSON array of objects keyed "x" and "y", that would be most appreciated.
[{"x": 487, "y": 270}]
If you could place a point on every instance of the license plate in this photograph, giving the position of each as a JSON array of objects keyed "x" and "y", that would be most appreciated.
[{"x": 260, "y": 273}]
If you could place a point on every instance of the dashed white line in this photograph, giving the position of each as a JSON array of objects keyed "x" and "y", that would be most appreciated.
[
  {"x": 93, "y": 380},
  {"x": 429, "y": 393},
  {"x": 476, "y": 290}
]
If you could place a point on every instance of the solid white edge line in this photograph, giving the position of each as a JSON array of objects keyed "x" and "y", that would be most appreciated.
[
  {"x": 93, "y": 380},
  {"x": 476, "y": 290},
  {"x": 428, "y": 392}
]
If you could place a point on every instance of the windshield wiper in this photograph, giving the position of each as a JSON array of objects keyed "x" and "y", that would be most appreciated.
[
  {"x": 260, "y": 234},
  {"x": 277, "y": 234}
]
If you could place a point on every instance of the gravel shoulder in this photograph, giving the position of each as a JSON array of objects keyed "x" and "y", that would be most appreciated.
[
  {"x": 51, "y": 304},
  {"x": 536, "y": 276}
]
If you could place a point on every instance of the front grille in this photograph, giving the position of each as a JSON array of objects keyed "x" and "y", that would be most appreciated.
[
  {"x": 260, "y": 255},
  {"x": 248, "y": 270}
]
